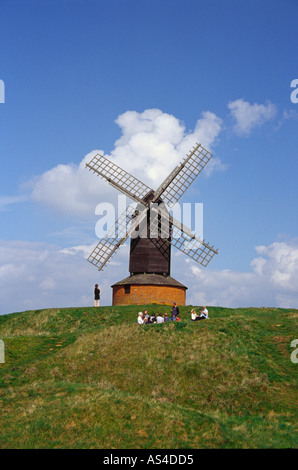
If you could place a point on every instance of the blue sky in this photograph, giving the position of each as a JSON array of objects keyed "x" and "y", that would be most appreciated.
[{"x": 76, "y": 72}]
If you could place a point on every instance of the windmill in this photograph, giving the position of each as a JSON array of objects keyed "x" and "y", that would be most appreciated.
[{"x": 152, "y": 230}]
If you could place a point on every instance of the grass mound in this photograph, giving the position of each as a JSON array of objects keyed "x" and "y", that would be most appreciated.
[{"x": 94, "y": 378}]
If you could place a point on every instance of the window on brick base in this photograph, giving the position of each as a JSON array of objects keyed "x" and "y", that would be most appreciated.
[{"x": 126, "y": 289}]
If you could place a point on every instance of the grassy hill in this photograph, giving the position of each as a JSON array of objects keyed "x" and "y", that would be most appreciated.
[{"x": 94, "y": 378}]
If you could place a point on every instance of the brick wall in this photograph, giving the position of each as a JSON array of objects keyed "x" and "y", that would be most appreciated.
[{"x": 148, "y": 294}]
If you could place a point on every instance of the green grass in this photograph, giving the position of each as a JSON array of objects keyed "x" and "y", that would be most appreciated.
[{"x": 94, "y": 378}]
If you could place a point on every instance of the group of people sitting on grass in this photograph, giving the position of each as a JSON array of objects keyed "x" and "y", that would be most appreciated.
[
  {"x": 202, "y": 316},
  {"x": 145, "y": 319}
]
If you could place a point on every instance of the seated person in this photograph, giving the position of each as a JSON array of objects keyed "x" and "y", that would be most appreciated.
[
  {"x": 140, "y": 318},
  {"x": 193, "y": 315},
  {"x": 145, "y": 316},
  {"x": 159, "y": 318},
  {"x": 203, "y": 315},
  {"x": 152, "y": 318},
  {"x": 165, "y": 317}
]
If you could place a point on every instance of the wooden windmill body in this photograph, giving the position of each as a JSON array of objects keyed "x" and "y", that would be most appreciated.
[{"x": 152, "y": 231}]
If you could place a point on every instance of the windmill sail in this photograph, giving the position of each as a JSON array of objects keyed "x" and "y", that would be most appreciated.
[
  {"x": 117, "y": 236},
  {"x": 193, "y": 247},
  {"x": 175, "y": 185},
  {"x": 168, "y": 231},
  {"x": 183, "y": 239},
  {"x": 119, "y": 178}
]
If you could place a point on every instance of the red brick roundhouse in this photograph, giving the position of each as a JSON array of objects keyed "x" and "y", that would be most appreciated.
[{"x": 148, "y": 288}]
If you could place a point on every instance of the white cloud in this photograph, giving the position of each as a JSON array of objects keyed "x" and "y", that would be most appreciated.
[
  {"x": 287, "y": 115},
  {"x": 6, "y": 201},
  {"x": 279, "y": 261},
  {"x": 74, "y": 250},
  {"x": 151, "y": 145},
  {"x": 37, "y": 275},
  {"x": 272, "y": 281},
  {"x": 248, "y": 116},
  {"x": 48, "y": 284},
  {"x": 70, "y": 189}
]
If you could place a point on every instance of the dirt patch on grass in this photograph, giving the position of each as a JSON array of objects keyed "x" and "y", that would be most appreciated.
[{"x": 282, "y": 344}]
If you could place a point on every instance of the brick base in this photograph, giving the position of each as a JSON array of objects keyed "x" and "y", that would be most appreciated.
[{"x": 147, "y": 294}]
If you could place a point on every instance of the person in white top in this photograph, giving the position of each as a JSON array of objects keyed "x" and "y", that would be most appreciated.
[
  {"x": 204, "y": 313},
  {"x": 140, "y": 319},
  {"x": 159, "y": 318},
  {"x": 193, "y": 315}
]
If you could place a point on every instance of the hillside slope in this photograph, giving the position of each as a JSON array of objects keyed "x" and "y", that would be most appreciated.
[{"x": 93, "y": 378}]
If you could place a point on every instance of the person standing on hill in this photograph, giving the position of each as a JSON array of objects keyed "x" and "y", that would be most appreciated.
[
  {"x": 96, "y": 296},
  {"x": 174, "y": 312}
]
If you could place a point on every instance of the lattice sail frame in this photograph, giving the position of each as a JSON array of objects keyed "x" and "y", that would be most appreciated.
[
  {"x": 123, "y": 228},
  {"x": 179, "y": 180},
  {"x": 183, "y": 239},
  {"x": 170, "y": 191},
  {"x": 119, "y": 178}
]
